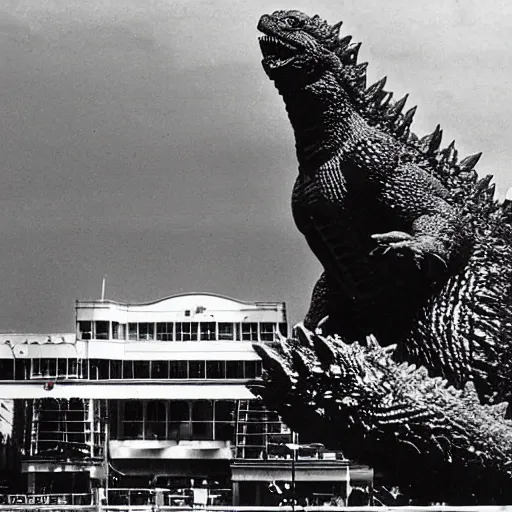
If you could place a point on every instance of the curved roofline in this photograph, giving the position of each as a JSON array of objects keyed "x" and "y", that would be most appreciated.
[{"x": 187, "y": 294}]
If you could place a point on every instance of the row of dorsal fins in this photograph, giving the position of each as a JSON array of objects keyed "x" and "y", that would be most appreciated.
[{"x": 378, "y": 108}]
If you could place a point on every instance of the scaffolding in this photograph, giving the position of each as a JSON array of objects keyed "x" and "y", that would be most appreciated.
[
  {"x": 260, "y": 433},
  {"x": 75, "y": 427}
]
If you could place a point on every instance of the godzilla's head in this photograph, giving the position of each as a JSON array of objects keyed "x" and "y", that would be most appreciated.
[{"x": 296, "y": 46}]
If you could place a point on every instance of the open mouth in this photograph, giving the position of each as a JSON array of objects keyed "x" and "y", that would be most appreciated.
[{"x": 276, "y": 52}]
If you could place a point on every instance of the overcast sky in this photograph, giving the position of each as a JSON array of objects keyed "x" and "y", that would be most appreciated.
[{"x": 141, "y": 139}]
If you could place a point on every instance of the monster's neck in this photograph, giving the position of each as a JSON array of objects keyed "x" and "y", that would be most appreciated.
[{"x": 320, "y": 114}]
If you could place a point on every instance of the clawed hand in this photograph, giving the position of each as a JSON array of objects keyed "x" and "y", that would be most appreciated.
[{"x": 402, "y": 243}]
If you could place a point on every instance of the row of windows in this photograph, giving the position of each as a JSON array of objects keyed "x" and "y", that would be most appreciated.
[
  {"x": 181, "y": 331},
  {"x": 173, "y": 419},
  {"x": 104, "y": 369}
]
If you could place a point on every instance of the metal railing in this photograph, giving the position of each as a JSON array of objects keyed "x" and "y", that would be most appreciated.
[
  {"x": 154, "y": 508},
  {"x": 55, "y": 499}
]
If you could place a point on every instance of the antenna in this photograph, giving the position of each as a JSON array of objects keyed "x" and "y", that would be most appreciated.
[{"x": 103, "y": 283}]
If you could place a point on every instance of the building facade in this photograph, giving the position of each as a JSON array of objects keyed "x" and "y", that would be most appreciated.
[{"x": 153, "y": 396}]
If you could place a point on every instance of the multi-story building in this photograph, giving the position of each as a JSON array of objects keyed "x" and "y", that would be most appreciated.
[{"x": 154, "y": 396}]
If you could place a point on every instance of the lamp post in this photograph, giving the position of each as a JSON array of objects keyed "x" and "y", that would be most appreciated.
[
  {"x": 294, "y": 446},
  {"x": 294, "y": 458}
]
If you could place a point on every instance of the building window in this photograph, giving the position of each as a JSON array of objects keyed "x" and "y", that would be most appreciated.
[
  {"x": 224, "y": 420},
  {"x": 20, "y": 369},
  {"x": 202, "y": 419},
  {"x": 35, "y": 369},
  {"x": 7, "y": 369},
  {"x": 93, "y": 369},
  {"x": 179, "y": 420},
  {"x": 141, "y": 369},
  {"x": 186, "y": 331},
  {"x": 116, "y": 369},
  {"x": 49, "y": 367},
  {"x": 156, "y": 420},
  {"x": 132, "y": 419},
  {"x": 178, "y": 369},
  {"x": 226, "y": 331},
  {"x": 103, "y": 369},
  {"x": 159, "y": 369},
  {"x": 146, "y": 331},
  {"x": 83, "y": 368},
  {"x": 62, "y": 368},
  {"x": 196, "y": 370},
  {"x": 75, "y": 368},
  {"x": 249, "y": 331},
  {"x": 234, "y": 369},
  {"x": 267, "y": 331},
  {"x": 98, "y": 369},
  {"x": 132, "y": 332},
  {"x": 118, "y": 331},
  {"x": 164, "y": 331},
  {"x": 252, "y": 369},
  {"x": 215, "y": 369},
  {"x": 208, "y": 331},
  {"x": 61, "y": 424},
  {"x": 113, "y": 419},
  {"x": 127, "y": 369},
  {"x": 102, "y": 330},
  {"x": 84, "y": 330}
]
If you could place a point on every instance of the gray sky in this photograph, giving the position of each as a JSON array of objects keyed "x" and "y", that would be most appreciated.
[{"x": 142, "y": 140}]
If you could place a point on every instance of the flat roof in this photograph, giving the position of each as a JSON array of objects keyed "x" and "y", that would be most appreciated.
[{"x": 83, "y": 302}]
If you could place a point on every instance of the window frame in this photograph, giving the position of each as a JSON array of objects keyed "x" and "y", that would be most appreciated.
[
  {"x": 146, "y": 331},
  {"x": 222, "y": 336},
  {"x": 85, "y": 334},
  {"x": 250, "y": 333},
  {"x": 182, "y": 334},
  {"x": 165, "y": 335},
  {"x": 267, "y": 334},
  {"x": 205, "y": 331}
]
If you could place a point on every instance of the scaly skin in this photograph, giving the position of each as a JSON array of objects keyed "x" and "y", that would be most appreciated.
[
  {"x": 415, "y": 249},
  {"x": 436, "y": 442}
]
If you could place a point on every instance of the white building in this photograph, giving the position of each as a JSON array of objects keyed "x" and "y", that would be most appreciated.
[{"x": 152, "y": 394}]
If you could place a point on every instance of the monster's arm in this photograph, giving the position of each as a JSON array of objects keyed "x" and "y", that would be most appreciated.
[
  {"x": 393, "y": 417},
  {"x": 435, "y": 228},
  {"x": 375, "y": 172}
]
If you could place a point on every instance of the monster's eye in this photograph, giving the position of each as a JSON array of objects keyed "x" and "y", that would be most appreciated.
[{"x": 292, "y": 22}]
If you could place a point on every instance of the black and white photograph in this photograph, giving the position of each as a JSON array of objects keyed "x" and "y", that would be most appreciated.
[{"x": 256, "y": 256}]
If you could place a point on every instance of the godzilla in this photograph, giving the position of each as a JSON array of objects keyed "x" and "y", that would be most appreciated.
[{"x": 403, "y": 359}]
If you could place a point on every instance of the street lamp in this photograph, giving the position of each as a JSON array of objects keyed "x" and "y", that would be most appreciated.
[{"x": 294, "y": 447}]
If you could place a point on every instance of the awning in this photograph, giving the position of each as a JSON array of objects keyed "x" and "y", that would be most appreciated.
[
  {"x": 191, "y": 468},
  {"x": 124, "y": 391},
  {"x": 311, "y": 470},
  {"x": 135, "y": 449}
]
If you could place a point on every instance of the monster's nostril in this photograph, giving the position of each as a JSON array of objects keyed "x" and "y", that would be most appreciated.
[{"x": 262, "y": 22}]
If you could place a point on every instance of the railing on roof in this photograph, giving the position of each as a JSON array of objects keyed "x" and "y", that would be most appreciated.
[
  {"x": 142, "y": 508},
  {"x": 54, "y": 499}
]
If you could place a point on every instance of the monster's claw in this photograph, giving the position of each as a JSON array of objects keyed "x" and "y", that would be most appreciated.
[
  {"x": 442, "y": 260},
  {"x": 388, "y": 241},
  {"x": 391, "y": 236},
  {"x": 401, "y": 243},
  {"x": 320, "y": 325}
]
